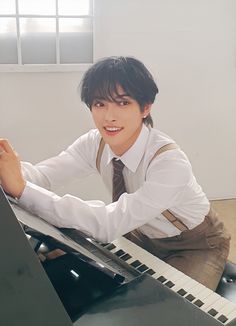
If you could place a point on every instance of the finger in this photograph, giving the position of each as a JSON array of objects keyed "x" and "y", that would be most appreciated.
[
  {"x": 5, "y": 146},
  {"x": 1, "y": 151}
]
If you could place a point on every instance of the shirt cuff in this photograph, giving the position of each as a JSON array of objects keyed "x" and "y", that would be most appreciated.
[{"x": 36, "y": 198}]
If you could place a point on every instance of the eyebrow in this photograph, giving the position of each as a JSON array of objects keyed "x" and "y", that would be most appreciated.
[
  {"x": 122, "y": 95},
  {"x": 118, "y": 96}
]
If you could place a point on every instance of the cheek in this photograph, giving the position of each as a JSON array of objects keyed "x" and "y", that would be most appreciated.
[{"x": 96, "y": 117}]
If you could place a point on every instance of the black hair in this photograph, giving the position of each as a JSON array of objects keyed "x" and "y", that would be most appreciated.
[{"x": 104, "y": 77}]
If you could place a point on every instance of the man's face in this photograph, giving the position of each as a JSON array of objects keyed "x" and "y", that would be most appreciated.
[{"x": 119, "y": 122}]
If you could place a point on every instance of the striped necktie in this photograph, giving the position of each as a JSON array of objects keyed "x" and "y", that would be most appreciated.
[{"x": 118, "y": 179}]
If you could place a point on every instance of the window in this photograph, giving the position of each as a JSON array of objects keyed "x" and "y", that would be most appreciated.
[{"x": 45, "y": 32}]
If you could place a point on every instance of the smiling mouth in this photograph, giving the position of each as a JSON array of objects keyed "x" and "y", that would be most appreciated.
[{"x": 112, "y": 130}]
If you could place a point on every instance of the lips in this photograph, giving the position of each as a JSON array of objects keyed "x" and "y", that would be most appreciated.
[{"x": 112, "y": 131}]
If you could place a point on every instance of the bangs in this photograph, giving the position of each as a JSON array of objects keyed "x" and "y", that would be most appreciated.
[
  {"x": 105, "y": 78},
  {"x": 106, "y": 86},
  {"x": 107, "y": 91}
]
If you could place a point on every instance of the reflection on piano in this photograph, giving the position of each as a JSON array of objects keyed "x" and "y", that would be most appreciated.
[{"x": 113, "y": 284}]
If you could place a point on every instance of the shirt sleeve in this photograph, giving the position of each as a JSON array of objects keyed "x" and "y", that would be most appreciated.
[
  {"x": 75, "y": 162},
  {"x": 166, "y": 181}
]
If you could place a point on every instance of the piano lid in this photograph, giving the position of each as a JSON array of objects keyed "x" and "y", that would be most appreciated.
[
  {"x": 145, "y": 301},
  {"x": 27, "y": 297}
]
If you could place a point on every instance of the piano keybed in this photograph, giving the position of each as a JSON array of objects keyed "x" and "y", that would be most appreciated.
[{"x": 205, "y": 299}]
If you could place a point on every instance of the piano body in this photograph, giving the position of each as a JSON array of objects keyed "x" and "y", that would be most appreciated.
[{"x": 93, "y": 284}]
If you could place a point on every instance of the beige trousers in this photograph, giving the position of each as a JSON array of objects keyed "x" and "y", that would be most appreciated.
[{"x": 200, "y": 253}]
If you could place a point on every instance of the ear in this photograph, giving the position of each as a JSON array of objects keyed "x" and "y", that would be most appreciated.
[{"x": 146, "y": 110}]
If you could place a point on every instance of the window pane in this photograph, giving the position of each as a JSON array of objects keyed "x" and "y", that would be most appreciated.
[
  {"x": 38, "y": 40},
  {"x": 76, "y": 40},
  {"x": 7, "y": 7},
  {"x": 8, "y": 40},
  {"x": 73, "y": 7},
  {"x": 37, "y": 7}
]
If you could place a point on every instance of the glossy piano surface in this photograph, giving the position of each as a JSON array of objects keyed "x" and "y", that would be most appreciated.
[
  {"x": 27, "y": 298},
  {"x": 89, "y": 293},
  {"x": 145, "y": 302}
]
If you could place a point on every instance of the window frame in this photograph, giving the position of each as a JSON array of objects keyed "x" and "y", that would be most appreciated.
[{"x": 57, "y": 67}]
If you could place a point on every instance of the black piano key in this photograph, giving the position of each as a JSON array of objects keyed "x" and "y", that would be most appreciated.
[
  {"x": 126, "y": 257},
  {"x": 181, "y": 292},
  {"x": 150, "y": 271},
  {"x": 110, "y": 246},
  {"x": 142, "y": 268},
  {"x": 223, "y": 318},
  {"x": 169, "y": 284},
  {"x": 136, "y": 263},
  {"x": 212, "y": 312},
  {"x": 198, "y": 303},
  {"x": 190, "y": 297},
  {"x": 162, "y": 279},
  {"x": 119, "y": 253}
]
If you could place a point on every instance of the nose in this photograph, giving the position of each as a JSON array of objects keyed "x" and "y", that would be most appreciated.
[{"x": 110, "y": 112}]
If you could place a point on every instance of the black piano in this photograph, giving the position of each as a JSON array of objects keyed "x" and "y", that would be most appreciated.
[{"x": 92, "y": 284}]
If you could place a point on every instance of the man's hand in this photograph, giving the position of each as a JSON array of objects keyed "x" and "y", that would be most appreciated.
[{"x": 11, "y": 177}]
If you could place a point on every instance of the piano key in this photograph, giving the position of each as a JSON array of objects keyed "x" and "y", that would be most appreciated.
[
  {"x": 210, "y": 302},
  {"x": 198, "y": 303},
  {"x": 161, "y": 279},
  {"x": 190, "y": 297},
  {"x": 126, "y": 257},
  {"x": 142, "y": 268},
  {"x": 109, "y": 246},
  {"x": 119, "y": 253},
  {"x": 173, "y": 274},
  {"x": 182, "y": 292},
  {"x": 232, "y": 315},
  {"x": 136, "y": 263},
  {"x": 150, "y": 272},
  {"x": 220, "y": 304},
  {"x": 186, "y": 283},
  {"x": 223, "y": 319},
  {"x": 199, "y": 295},
  {"x": 200, "y": 292},
  {"x": 212, "y": 312},
  {"x": 227, "y": 309},
  {"x": 169, "y": 284}
]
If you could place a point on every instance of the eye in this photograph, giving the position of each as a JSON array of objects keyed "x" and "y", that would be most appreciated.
[
  {"x": 98, "y": 104},
  {"x": 123, "y": 103}
]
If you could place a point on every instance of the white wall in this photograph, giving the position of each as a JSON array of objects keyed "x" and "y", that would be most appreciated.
[{"x": 190, "y": 47}]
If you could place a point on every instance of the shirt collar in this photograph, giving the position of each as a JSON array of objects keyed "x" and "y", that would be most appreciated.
[{"x": 133, "y": 156}]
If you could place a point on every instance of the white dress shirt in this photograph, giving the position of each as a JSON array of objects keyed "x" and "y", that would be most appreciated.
[{"x": 167, "y": 183}]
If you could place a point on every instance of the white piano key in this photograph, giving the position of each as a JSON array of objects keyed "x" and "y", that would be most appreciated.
[
  {"x": 203, "y": 295},
  {"x": 180, "y": 284},
  {"x": 220, "y": 305},
  {"x": 185, "y": 283},
  {"x": 173, "y": 275},
  {"x": 231, "y": 316},
  {"x": 142, "y": 255},
  {"x": 228, "y": 309},
  {"x": 200, "y": 291},
  {"x": 210, "y": 299}
]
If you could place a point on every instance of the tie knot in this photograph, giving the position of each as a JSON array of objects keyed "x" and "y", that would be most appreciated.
[{"x": 118, "y": 165}]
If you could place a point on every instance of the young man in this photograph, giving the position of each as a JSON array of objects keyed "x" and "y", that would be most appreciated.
[{"x": 157, "y": 202}]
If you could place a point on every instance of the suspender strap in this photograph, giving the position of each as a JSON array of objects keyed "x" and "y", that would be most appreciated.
[
  {"x": 99, "y": 154},
  {"x": 163, "y": 149},
  {"x": 174, "y": 220},
  {"x": 167, "y": 214}
]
